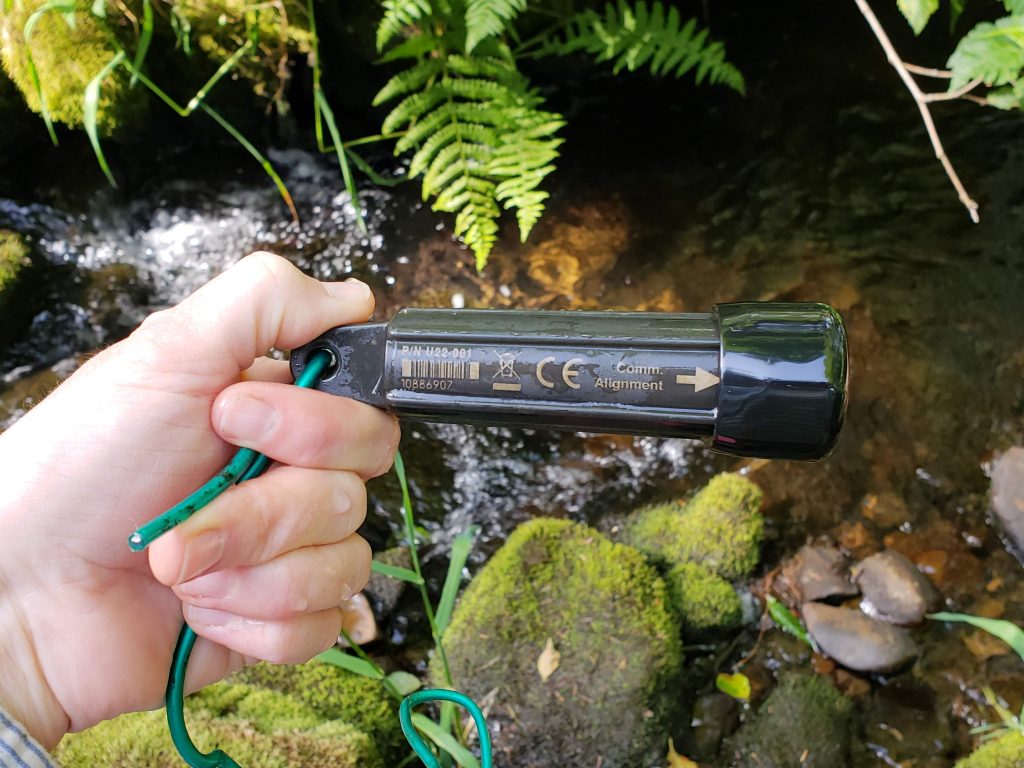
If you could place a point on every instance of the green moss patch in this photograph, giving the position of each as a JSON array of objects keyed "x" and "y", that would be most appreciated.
[
  {"x": 1005, "y": 752},
  {"x": 721, "y": 528},
  {"x": 704, "y": 600},
  {"x": 607, "y": 614}
]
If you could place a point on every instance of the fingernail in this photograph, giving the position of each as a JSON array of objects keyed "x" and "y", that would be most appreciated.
[
  {"x": 212, "y": 586},
  {"x": 201, "y": 554},
  {"x": 350, "y": 290},
  {"x": 245, "y": 419}
]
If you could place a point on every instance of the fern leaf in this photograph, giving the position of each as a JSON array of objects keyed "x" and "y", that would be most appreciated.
[
  {"x": 410, "y": 80},
  {"x": 640, "y": 34},
  {"x": 399, "y": 14},
  {"x": 488, "y": 18}
]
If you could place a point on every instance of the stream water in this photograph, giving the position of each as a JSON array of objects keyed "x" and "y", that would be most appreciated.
[{"x": 819, "y": 185}]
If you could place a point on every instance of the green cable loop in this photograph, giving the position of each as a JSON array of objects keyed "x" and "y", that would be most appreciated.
[
  {"x": 245, "y": 465},
  {"x": 419, "y": 746}
]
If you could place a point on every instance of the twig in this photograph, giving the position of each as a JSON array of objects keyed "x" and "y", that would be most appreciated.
[
  {"x": 922, "y": 104},
  {"x": 959, "y": 93},
  {"x": 941, "y": 74}
]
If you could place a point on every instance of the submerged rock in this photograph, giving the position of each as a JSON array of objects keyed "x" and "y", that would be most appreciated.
[
  {"x": 385, "y": 590},
  {"x": 721, "y": 528},
  {"x": 1008, "y": 495},
  {"x": 804, "y": 723},
  {"x": 1004, "y": 752},
  {"x": 821, "y": 572},
  {"x": 893, "y": 589},
  {"x": 256, "y": 726},
  {"x": 856, "y": 640},
  {"x": 605, "y": 612},
  {"x": 715, "y": 716}
]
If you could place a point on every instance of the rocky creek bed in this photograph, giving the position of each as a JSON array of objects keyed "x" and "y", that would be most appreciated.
[{"x": 818, "y": 186}]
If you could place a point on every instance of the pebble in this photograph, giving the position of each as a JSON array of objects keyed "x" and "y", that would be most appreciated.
[
  {"x": 820, "y": 573},
  {"x": 357, "y": 621},
  {"x": 1008, "y": 495},
  {"x": 856, "y": 640},
  {"x": 893, "y": 589}
]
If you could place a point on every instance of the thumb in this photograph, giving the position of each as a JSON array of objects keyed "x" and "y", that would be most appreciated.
[{"x": 263, "y": 301}]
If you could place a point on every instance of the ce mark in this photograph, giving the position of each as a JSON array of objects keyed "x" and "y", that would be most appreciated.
[{"x": 569, "y": 372}]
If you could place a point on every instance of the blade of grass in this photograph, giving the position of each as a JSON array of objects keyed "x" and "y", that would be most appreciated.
[
  {"x": 445, "y": 741},
  {"x": 58, "y": 6},
  {"x": 90, "y": 110},
  {"x": 396, "y": 572},
  {"x": 182, "y": 30},
  {"x": 461, "y": 546},
  {"x": 786, "y": 620},
  {"x": 351, "y": 663},
  {"x": 226, "y": 66},
  {"x": 339, "y": 151},
  {"x": 144, "y": 39},
  {"x": 264, "y": 162},
  {"x": 365, "y": 167},
  {"x": 1006, "y": 631}
]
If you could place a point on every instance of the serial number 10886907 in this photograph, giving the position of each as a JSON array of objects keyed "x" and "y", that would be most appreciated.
[{"x": 440, "y": 385}]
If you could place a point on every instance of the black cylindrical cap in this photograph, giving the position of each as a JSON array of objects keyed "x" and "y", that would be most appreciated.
[{"x": 784, "y": 370}]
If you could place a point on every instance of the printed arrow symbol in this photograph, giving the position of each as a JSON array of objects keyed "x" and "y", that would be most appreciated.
[{"x": 700, "y": 380}]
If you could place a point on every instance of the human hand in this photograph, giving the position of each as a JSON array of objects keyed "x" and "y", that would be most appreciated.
[{"x": 87, "y": 627}]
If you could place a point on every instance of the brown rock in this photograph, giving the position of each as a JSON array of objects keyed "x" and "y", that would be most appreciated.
[
  {"x": 856, "y": 640},
  {"x": 1008, "y": 495},
  {"x": 893, "y": 589},
  {"x": 821, "y": 572}
]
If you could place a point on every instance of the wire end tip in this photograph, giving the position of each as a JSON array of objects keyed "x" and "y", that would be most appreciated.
[{"x": 136, "y": 542}]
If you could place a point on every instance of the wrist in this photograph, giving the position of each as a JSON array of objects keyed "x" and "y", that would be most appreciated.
[{"x": 24, "y": 692}]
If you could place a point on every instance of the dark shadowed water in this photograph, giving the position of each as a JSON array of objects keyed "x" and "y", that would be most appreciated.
[{"x": 819, "y": 185}]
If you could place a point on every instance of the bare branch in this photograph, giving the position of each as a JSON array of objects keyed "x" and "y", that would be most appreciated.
[
  {"x": 959, "y": 93},
  {"x": 941, "y": 74},
  {"x": 922, "y": 105}
]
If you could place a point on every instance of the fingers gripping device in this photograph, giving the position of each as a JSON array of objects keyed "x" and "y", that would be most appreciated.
[{"x": 750, "y": 379}]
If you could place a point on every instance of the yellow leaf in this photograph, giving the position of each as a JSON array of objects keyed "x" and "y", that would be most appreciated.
[
  {"x": 737, "y": 685},
  {"x": 675, "y": 760},
  {"x": 548, "y": 660}
]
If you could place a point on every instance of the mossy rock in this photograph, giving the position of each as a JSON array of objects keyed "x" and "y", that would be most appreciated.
[
  {"x": 14, "y": 256},
  {"x": 704, "y": 600},
  {"x": 1005, "y": 752},
  {"x": 606, "y": 612},
  {"x": 804, "y": 723},
  {"x": 258, "y": 728},
  {"x": 334, "y": 694},
  {"x": 721, "y": 528},
  {"x": 66, "y": 59}
]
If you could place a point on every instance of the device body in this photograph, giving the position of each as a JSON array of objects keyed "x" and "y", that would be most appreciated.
[{"x": 754, "y": 379}]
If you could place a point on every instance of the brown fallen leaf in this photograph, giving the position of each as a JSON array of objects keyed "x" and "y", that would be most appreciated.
[
  {"x": 983, "y": 645},
  {"x": 548, "y": 661},
  {"x": 675, "y": 760}
]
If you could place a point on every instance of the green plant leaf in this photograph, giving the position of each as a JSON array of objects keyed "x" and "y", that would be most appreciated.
[
  {"x": 736, "y": 685},
  {"x": 350, "y": 663},
  {"x": 404, "y": 682},
  {"x": 90, "y": 111},
  {"x": 461, "y": 547},
  {"x": 786, "y": 620},
  {"x": 64, "y": 7},
  {"x": 1006, "y": 631},
  {"x": 917, "y": 12},
  {"x": 445, "y": 741},
  {"x": 488, "y": 18},
  {"x": 1015, "y": 7},
  {"x": 396, "y": 572},
  {"x": 636, "y": 35},
  {"x": 993, "y": 52},
  {"x": 399, "y": 14},
  {"x": 144, "y": 38},
  {"x": 339, "y": 151},
  {"x": 99, "y": 8}
]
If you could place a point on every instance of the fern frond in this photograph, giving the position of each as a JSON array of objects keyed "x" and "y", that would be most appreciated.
[
  {"x": 488, "y": 18},
  {"x": 632, "y": 36},
  {"x": 480, "y": 142},
  {"x": 399, "y": 14}
]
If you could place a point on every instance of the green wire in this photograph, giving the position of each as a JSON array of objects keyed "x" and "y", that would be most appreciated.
[
  {"x": 245, "y": 465},
  {"x": 419, "y": 746}
]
